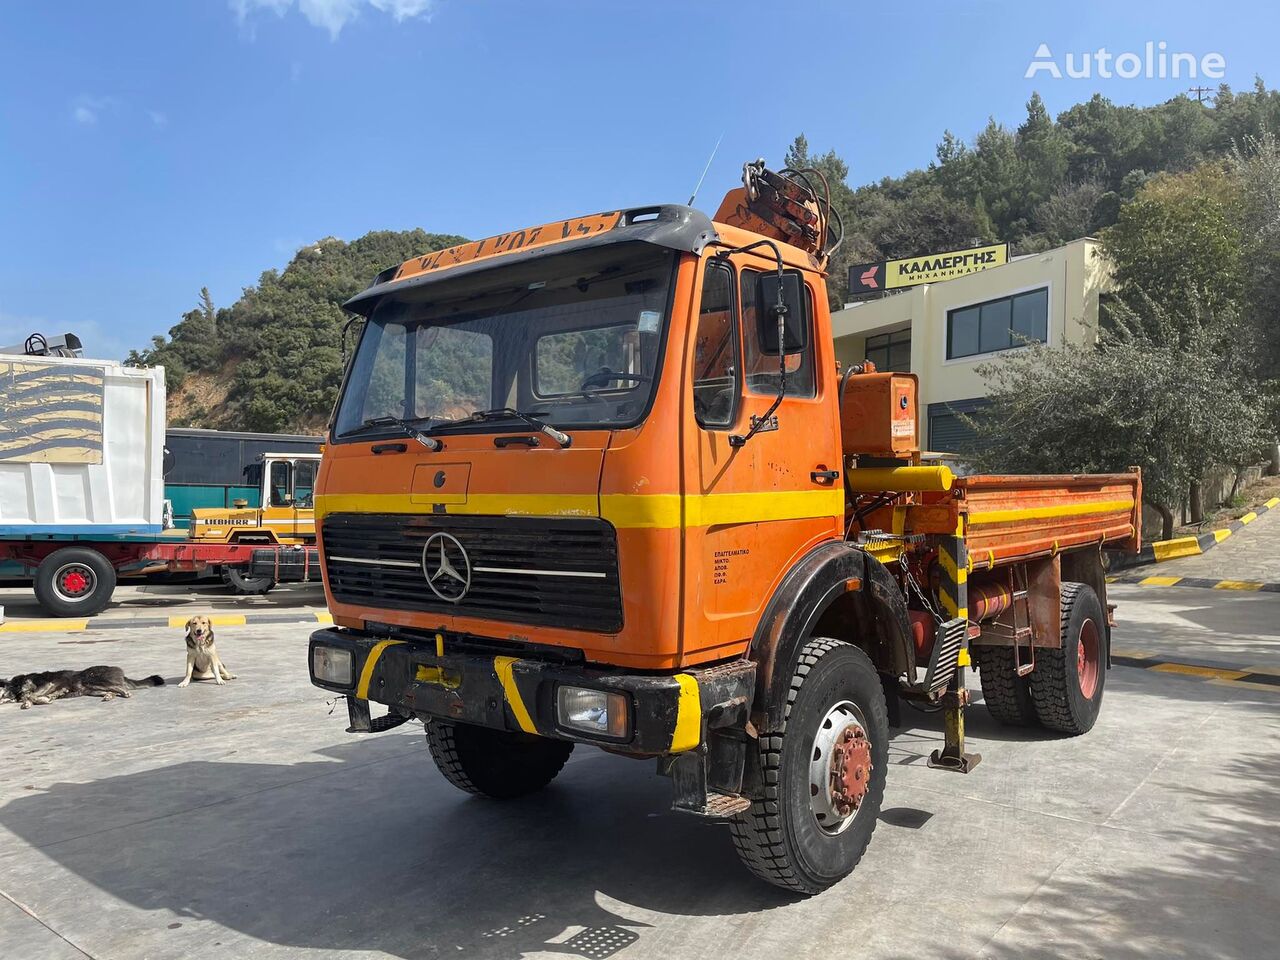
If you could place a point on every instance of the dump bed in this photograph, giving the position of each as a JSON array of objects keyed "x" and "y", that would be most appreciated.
[{"x": 1011, "y": 518}]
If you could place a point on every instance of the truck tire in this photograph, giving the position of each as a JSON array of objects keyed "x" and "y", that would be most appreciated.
[
  {"x": 810, "y": 831},
  {"x": 75, "y": 582},
  {"x": 494, "y": 763},
  {"x": 238, "y": 582},
  {"x": 1007, "y": 695},
  {"x": 1067, "y": 683}
]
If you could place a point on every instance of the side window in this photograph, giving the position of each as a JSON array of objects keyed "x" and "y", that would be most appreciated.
[
  {"x": 278, "y": 481},
  {"x": 716, "y": 371},
  {"x": 761, "y": 367},
  {"x": 384, "y": 396},
  {"x": 304, "y": 482}
]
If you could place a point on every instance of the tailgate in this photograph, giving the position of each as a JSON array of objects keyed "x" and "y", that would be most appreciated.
[{"x": 1023, "y": 516}]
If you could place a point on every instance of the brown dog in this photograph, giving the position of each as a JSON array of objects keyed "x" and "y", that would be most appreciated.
[{"x": 203, "y": 662}]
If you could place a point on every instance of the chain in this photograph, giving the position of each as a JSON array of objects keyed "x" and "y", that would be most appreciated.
[{"x": 928, "y": 604}]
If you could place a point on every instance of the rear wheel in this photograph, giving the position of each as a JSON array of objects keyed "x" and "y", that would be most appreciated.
[
  {"x": 1067, "y": 683},
  {"x": 75, "y": 582},
  {"x": 1007, "y": 695},
  {"x": 239, "y": 582},
  {"x": 494, "y": 763},
  {"x": 824, "y": 773}
]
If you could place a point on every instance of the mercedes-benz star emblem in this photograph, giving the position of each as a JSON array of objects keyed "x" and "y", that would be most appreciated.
[{"x": 446, "y": 566}]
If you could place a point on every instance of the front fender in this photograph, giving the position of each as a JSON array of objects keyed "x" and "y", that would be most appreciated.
[{"x": 873, "y": 615}]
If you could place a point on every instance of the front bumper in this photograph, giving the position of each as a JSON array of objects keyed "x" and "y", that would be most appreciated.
[{"x": 669, "y": 713}]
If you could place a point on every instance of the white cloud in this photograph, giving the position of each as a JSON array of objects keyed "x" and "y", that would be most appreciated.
[
  {"x": 86, "y": 110},
  {"x": 331, "y": 15}
]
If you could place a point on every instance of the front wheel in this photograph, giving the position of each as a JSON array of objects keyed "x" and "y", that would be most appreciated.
[
  {"x": 1067, "y": 683},
  {"x": 494, "y": 763},
  {"x": 823, "y": 773},
  {"x": 75, "y": 582}
]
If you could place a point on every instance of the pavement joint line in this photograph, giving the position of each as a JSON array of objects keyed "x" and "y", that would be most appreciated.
[
  {"x": 1203, "y": 583},
  {"x": 1192, "y": 545},
  {"x": 23, "y": 908},
  {"x": 83, "y": 625}
]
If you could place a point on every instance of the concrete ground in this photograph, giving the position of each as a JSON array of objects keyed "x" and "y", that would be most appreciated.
[{"x": 242, "y": 821}]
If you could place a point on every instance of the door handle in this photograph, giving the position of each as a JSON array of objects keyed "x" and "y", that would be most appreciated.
[
  {"x": 824, "y": 476},
  {"x": 389, "y": 448}
]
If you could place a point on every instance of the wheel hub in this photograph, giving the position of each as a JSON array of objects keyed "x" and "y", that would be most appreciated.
[
  {"x": 839, "y": 768},
  {"x": 1088, "y": 659},
  {"x": 850, "y": 770},
  {"x": 74, "y": 581}
]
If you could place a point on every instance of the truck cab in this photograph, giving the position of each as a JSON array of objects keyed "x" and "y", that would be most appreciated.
[
  {"x": 283, "y": 486},
  {"x": 588, "y": 483}
]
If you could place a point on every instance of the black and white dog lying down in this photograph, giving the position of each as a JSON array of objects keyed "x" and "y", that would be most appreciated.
[{"x": 42, "y": 688}]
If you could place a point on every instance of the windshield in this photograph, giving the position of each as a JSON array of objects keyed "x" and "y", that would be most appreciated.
[{"x": 573, "y": 340}]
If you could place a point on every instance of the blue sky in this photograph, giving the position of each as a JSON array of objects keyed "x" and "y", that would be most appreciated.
[{"x": 151, "y": 148}]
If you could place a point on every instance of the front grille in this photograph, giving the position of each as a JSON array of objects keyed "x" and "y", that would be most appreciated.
[{"x": 374, "y": 560}]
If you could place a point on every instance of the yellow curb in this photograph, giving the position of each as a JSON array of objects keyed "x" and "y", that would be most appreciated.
[
  {"x": 324, "y": 618},
  {"x": 1133, "y": 654},
  {"x": 1249, "y": 517},
  {"x": 1158, "y": 581},
  {"x": 1220, "y": 535},
  {"x": 1272, "y": 502},
  {"x": 1180, "y": 547},
  {"x": 45, "y": 626},
  {"x": 1191, "y": 671},
  {"x": 216, "y": 620},
  {"x": 1238, "y": 585}
]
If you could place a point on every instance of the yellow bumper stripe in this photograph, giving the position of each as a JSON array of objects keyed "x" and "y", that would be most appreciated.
[
  {"x": 506, "y": 676},
  {"x": 688, "y": 731},
  {"x": 1181, "y": 547},
  {"x": 1044, "y": 513},
  {"x": 371, "y": 661}
]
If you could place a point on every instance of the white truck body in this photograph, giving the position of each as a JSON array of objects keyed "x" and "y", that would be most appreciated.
[{"x": 81, "y": 449}]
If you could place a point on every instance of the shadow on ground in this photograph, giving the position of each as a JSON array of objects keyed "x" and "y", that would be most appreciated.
[{"x": 385, "y": 856}]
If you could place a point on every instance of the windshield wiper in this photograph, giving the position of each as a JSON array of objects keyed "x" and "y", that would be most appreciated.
[
  {"x": 431, "y": 443},
  {"x": 510, "y": 413}
]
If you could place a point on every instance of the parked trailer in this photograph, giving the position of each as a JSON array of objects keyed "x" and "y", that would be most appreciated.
[{"x": 81, "y": 482}]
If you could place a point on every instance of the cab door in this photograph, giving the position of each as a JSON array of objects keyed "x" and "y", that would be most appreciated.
[
  {"x": 752, "y": 509},
  {"x": 278, "y": 513}
]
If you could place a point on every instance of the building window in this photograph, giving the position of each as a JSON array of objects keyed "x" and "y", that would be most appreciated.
[
  {"x": 998, "y": 324},
  {"x": 948, "y": 431},
  {"x": 891, "y": 351}
]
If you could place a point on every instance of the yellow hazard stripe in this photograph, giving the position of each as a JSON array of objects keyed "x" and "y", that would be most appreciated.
[
  {"x": 1238, "y": 585},
  {"x": 1159, "y": 581},
  {"x": 655, "y": 511},
  {"x": 506, "y": 676},
  {"x": 1181, "y": 547},
  {"x": 371, "y": 661},
  {"x": 1249, "y": 517},
  {"x": 1194, "y": 671},
  {"x": 688, "y": 731},
  {"x": 215, "y": 619},
  {"x": 1220, "y": 535},
  {"x": 955, "y": 574},
  {"x": 324, "y": 617},
  {"x": 1044, "y": 513},
  {"x": 45, "y": 626}
]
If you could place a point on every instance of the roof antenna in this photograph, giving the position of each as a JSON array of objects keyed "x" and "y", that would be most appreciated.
[{"x": 694, "y": 195}]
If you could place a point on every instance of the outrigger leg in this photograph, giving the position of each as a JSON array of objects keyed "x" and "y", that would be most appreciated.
[{"x": 953, "y": 591}]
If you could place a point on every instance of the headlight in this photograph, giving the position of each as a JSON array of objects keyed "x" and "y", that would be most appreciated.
[
  {"x": 332, "y": 665},
  {"x": 593, "y": 712}
]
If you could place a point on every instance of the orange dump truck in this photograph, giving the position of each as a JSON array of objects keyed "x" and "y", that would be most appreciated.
[{"x": 602, "y": 482}]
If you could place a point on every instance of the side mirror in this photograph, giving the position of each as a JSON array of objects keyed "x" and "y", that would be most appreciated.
[{"x": 796, "y": 323}]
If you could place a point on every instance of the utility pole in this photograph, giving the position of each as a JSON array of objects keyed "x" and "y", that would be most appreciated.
[{"x": 1200, "y": 93}]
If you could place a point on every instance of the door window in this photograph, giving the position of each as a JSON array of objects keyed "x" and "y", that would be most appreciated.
[
  {"x": 304, "y": 482},
  {"x": 716, "y": 376},
  {"x": 278, "y": 482}
]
